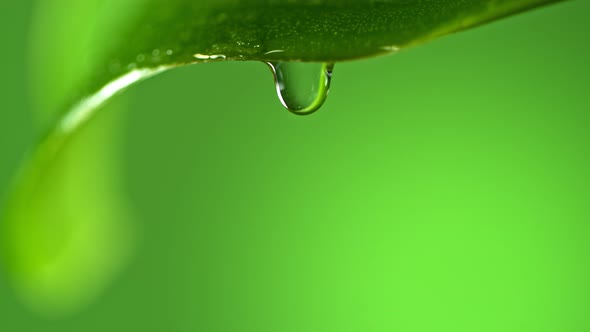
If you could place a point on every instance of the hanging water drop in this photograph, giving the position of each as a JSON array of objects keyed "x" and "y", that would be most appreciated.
[{"x": 302, "y": 87}]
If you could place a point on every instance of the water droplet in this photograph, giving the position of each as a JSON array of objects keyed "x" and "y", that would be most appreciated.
[
  {"x": 391, "y": 48},
  {"x": 274, "y": 51},
  {"x": 302, "y": 87},
  {"x": 212, "y": 57}
]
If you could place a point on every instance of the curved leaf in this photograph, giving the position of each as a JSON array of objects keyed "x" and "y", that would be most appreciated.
[
  {"x": 158, "y": 35},
  {"x": 86, "y": 52}
]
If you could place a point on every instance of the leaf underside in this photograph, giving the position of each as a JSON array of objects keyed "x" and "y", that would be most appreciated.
[{"x": 181, "y": 32}]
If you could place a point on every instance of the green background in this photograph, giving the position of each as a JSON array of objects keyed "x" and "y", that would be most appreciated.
[{"x": 445, "y": 188}]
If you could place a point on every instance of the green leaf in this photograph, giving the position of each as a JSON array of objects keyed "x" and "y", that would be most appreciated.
[
  {"x": 122, "y": 42},
  {"x": 67, "y": 231}
]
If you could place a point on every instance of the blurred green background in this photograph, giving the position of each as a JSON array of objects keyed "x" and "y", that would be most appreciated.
[{"x": 445, "y": 188}]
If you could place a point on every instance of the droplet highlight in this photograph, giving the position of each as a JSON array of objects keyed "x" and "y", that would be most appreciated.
[
  {"x": 210, "y": 57},
  {"x": 302, "y": 87}
]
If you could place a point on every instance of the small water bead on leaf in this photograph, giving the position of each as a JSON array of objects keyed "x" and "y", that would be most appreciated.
[
  {"x": 302, "y": 87},
  {"x": 209, "y": 57}
]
